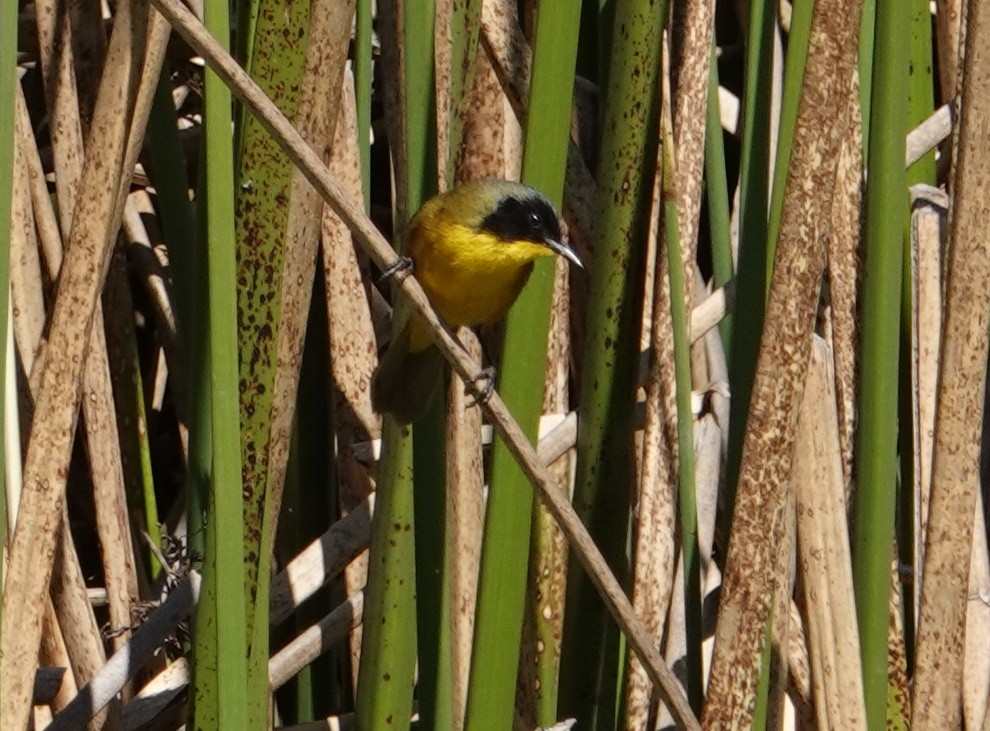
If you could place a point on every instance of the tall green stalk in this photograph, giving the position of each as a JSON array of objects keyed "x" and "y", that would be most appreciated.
[
  {"x": 310, "y": 500},
  {"x": 220, "y": 674},
  {"x": 435, "y": 683},
  {"x": 186, "y": 263},
  {"x": 508, "y": 521},
  {"x": 388, "y": 644},
  {"x": 867, "y": 44},
  {"x": 797, "y": 57},
  {"x": 687, "y": 504},
  {"x": 753, "y": 275},
  {"x": 401, "y": 616},
  {"x": 717, "y": 191},
  {"x": 589, "y": 661},
  {"x": 876, "y": 438},
  {"x": 921, "y": 102},
  {"x": 263, "y": 179}
]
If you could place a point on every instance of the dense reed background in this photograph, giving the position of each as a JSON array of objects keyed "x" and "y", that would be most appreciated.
[{"x": 763, "y": 397}]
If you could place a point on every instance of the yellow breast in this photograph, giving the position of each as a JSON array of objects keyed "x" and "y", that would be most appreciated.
[{"x": 471, "y": 277}]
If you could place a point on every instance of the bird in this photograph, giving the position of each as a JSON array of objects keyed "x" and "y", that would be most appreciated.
[{"x": 472, "y": 249}]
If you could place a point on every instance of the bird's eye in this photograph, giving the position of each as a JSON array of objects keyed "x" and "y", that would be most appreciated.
[{"x": 534, "y": 221}]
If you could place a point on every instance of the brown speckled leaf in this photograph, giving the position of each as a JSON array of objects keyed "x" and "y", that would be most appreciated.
[
  {"x": 937, "y": 702},
  {"x": 782, "y": 365}
]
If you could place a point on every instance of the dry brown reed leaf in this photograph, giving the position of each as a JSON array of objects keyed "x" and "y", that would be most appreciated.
[
  {"x": 53, "y": 652},
  {"x": 464, "y": 520},
  {"x": 113, "y": 527},
  {"x": 446, "y": 128},
  {"x": 55, "y": 32},
  {"x": 825, "y": 564},
  {"x": 843, "y": 276},
  {"x": 656, "y": 565},
  {"x": 82, "y": 636},
  {"x": 84, "y": 640},
  {"x": 799, "y": 673},
  {"x": 976, "y": 671},
  {"x": 507, "y": 47},
  {"x": 899, "y": 688},
  {"x": 27, "y": 298},
  {"x": 351, "y": 338},
  {"x": 95, "y": 223},
  {"x": 492, "y": 137},
  {"x": 929, "y": 210},
  {"x": 780, "y": 619},
  {"x": 45, "y": 222},
  {"x": 959, "y": 411},
  {"x": 691, "y": 41},
  {"x": 948, "y": 18},
  {"x": 109, "y": 492},
  {"x": 391, "y": 28},
  {"x": 768, "y": 446}
]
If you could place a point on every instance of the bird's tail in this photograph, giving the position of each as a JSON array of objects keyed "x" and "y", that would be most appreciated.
[{"x": 405, "y": 383}]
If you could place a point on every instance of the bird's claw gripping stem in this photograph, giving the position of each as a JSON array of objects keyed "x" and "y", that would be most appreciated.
[
  {"x": 484, "y": 391},
  {"x": 398, "y": 271}
]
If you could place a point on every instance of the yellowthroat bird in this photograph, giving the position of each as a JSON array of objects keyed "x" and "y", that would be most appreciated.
[{"x": 472, "y": 249}]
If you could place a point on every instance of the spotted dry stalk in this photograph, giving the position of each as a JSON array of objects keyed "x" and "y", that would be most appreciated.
[
  {"x": 824, "y": 560},
  {"x": 976, "y": 672},
  {"x": 27, "y": 298},
  {"x": 350, "y": 339},
  {"x": 464, "y": 523},
  {"x": 693, "y": 27},
  {"x": 121, "y": 111},
  {"x": 785, "y": 347},
  {"x": 959, "y": 411},
  {"x": 101, "y": 430},
  {"x": 843, "y": 276},
  {"x": 948, "y": 14},
  {"x": 929, "y": 210},
  {"x": 655, "y": 534}
]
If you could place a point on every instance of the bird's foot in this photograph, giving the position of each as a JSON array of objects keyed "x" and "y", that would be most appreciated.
[
  {"x": 398, "y": 271},
  {"x": 484, "y": 386}
]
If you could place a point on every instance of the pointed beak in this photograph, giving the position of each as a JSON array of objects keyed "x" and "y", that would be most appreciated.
[{"x": 565, "y": 251}]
